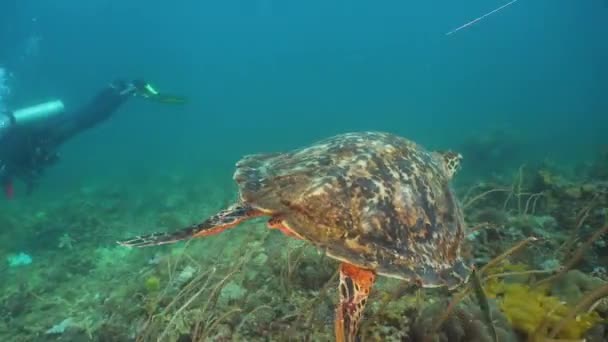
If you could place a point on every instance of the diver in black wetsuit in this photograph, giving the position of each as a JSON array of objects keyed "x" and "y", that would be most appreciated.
[{"x": 30, "y": 137}]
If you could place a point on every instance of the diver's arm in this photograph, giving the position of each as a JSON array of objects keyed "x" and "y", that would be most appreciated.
[
  {"x": 104, "y": 105},
  {"x": 99, "y": 109}
]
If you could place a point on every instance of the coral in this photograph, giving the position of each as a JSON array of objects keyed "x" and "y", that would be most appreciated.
[
  {"x": 184, "y": 276},
  {"x": 21, "y": 259},
  {"x": 60, "y": 328},
  {"x": 574, "y": 285},
  {"x": 529, "y": 310},
  {"x": 152, "y": 284},
  {"x": 465, "y": 324},
  {"x": 231, "y": 292},
  {"x": 533, "y": 311},
  {"x": 66, "y": 241}
]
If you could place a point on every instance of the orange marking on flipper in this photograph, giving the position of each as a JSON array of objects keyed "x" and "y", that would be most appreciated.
[
  {"x": 363, "y": 277},
  {"x": 215, "y": 230},
  {"x": 279, "y": 223},
  {"x": 207, "y": 228}
]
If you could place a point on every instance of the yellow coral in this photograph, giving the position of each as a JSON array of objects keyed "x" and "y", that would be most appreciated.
[{"x": 532, "y": 310}]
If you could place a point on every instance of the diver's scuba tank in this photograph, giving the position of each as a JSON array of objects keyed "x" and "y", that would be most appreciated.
[
  {"x": 37, "y": 114},
  {"x": 30, "y": 117}
]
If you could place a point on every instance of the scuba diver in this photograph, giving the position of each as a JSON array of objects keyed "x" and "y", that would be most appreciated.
[{"x": 30, "y": 137}]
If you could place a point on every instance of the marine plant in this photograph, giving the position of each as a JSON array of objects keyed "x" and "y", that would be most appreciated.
[
  {"x": 152, "y": 284},
  {"x": 535, "y": 312},
  {"x": 531, "y": 309}
]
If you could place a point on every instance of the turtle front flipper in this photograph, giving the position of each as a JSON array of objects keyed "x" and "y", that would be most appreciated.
[
  {"x": 217, "y": 223},
  {"x": 355, "y": 286}
]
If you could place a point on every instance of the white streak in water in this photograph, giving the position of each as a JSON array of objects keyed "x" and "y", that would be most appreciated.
[{"x": 480, "y": 18}]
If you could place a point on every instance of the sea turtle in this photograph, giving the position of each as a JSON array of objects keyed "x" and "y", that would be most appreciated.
[{"x": 378, "y": 203}]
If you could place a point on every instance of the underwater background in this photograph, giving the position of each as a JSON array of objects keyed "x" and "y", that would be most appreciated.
[{"x": 524, "y": 86}]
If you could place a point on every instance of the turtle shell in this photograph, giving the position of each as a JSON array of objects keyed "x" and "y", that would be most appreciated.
[{"x": 372, "y": 199}]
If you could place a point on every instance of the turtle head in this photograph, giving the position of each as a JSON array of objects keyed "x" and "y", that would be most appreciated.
[{"x": 451, "y": 162}]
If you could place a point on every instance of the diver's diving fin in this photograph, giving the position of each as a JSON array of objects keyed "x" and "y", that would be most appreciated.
[
  {"x": 147, "y": 91},
  {"x": 169, "y": 99}
]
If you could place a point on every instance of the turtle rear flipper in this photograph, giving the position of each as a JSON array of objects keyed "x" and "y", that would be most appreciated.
[
  {"x": 217, "y": 223},
  {"x": 355, "y": 286}
]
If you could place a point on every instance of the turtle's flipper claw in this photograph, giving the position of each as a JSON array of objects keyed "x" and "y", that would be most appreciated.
[
  {"x": 149, "y": 240},
  {"x": 215, "y": 224}
]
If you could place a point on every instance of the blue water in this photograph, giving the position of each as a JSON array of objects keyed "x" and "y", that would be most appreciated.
[{"x": 265, "y": 75}]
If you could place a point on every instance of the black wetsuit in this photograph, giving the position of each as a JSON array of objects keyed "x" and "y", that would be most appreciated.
[
  {"x": 99, "y": 109},
  {"x": 25, "y": 153}
]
